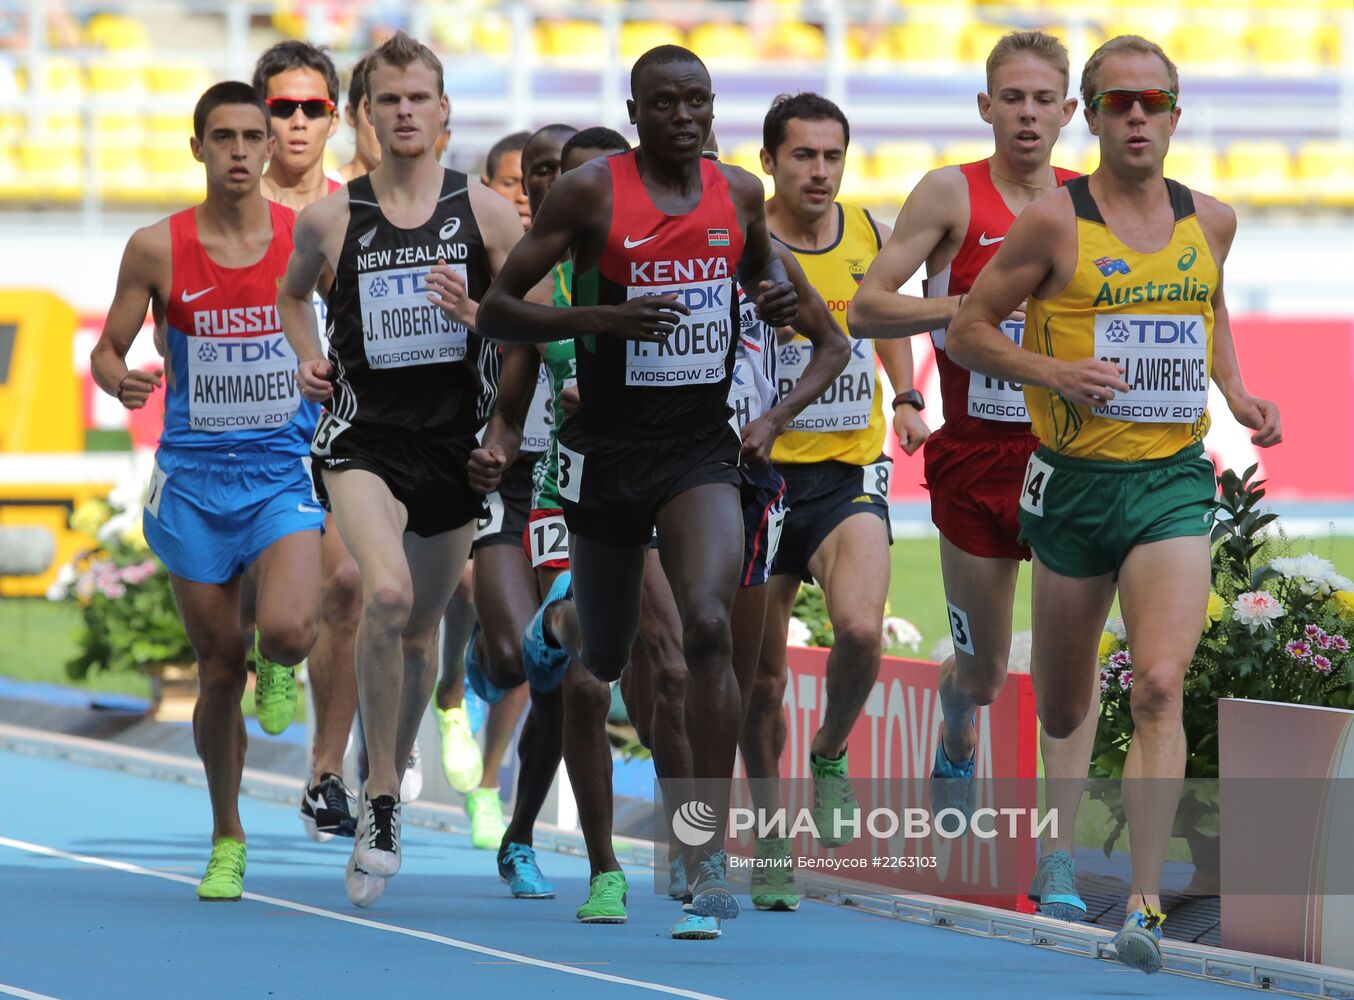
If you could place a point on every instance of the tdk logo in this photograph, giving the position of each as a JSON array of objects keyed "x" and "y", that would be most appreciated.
[
  {"x": 1117, "y": 332},
  {"x": 790, "y": 355},
  {"x": 206, "y": 352},
  {"x": 247, "y": 353},
  {"x": 699, "y": 298},
  {"x": 1111, "y": 265},
  {"x": 1154, "y": 330},
  {"x": 378, "y": 288}
]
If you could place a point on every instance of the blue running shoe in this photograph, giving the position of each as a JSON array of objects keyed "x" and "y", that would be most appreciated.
[
  {"x": 711, "y": 896},
  {"x": 693, "y": 927},
  {"x": 474, "y": 673},
  {"x": 543, "y": 663},
  {"x": 1055, "y": 888},
  {"x": 1138, "y": 943},
  {"x": 517, "y": 867},
  {"x": 677, "y": 878},
  {"x": 951, "y": 783}
]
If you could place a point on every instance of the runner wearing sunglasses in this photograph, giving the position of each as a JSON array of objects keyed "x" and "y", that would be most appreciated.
[
  {"x": 300, "y": 86},
  {"x": 1122, "y": 271}
]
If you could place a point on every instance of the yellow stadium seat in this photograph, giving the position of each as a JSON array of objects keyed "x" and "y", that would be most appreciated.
[
  {"x": 723, "y": 42},
  {"x": 13, "y": 125},
  {"x": 930, "y": 36},
  {"x": 898, "y": 166},
  {"x": 10, "y": 179},
  {"x": 171, "y": 79},
  {"x": 748, "y": 155},
  {"x": 977, "y": 40},
  {"x": 1216, "y": 44},
  {"x": 173, "y": 173},
  {"x": 867, "y": 43},
  {"x": 493, "y": 36},
  {"x": 1261, "y": 173},
  {"x": 62, "y": 128},
  {"x": 1090, "y": 157},
  {"x": 1291, "y": 43},
  {"x": 795, "y": 41},
  {"x": 61, "y": 76},
  {"x": 1326, "y": 173},
  {"x": 573, "y": 41},
  {"x": 638, "y": 37},
  {"x": 51, "y": 171},
  {"x": 166, "y": 126},
  {"x": 857, "y": 185},
  {"x": 967, "y": 151},
  {"x": 1193, "y": 164},
  {"x": 120, "y": 175},
  {"x": 118, "y": 127},
  {"x": 116, "y": 77},
  {"x": 116, "y": 33}
]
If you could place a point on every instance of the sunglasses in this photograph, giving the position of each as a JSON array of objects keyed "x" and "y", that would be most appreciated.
[
  {"x": 1118, "y": 102},
  {"x": 311, "y": 107}
]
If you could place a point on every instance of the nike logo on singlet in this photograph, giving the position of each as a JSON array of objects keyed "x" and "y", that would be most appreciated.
[
  {"x": 986, "y": 241},
  {"x": 196, "y": 295},
  {"x": 631, "y": 244}
]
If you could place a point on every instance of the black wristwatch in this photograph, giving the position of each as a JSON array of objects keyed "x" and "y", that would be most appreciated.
[{"x": 912, "y": 398}]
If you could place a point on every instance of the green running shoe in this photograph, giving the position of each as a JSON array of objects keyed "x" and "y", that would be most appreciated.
[
  {"x": 607, "y": 894},
  {"x": 224, "y": 879},
  {"x": 833, "y": 799},
  {"x": 274, "y": 692},
  {"x": 462, "y": 762},
  {"x": 485, "y": 810},
  {"x": 773, "y": 876}
]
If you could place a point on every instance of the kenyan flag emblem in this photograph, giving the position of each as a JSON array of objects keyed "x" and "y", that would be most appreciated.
[{"x": 718, "y": 237}]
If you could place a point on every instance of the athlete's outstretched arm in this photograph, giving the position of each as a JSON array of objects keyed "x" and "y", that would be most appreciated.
[
  {"x": 1025, "y": 260},
  {"x": 927, "y": 220},
  {"x": 760, "y": 270},
  {"x": 567, "y": 216},
  {"x": 144, "y": 263},
  {"x": 313, "y": 231},
  {"x": 830, "y": 354},
  {"x": 503, "y": 434}
]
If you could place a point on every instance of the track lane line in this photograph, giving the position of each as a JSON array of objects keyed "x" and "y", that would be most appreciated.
[{"x": 315, "y": 911}]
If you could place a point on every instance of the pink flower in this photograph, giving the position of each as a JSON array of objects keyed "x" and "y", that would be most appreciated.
[
  {"x": 1104, "y": 684},
  {"x": 1257, "y": 609},
  {"x": 114, "y": 591},
  {"x": 1121, "y": 659},
  {"x": 139, "y": 573},
  {"x": 1340, "y": 643},
  {"x": 1313, "y": 632},
  {"x": 1320, "y": 664},
  {"x": 1323, "y": 640},
  {"x": 1126, "y": 679},
  {"x": 1298, "y": 649}
]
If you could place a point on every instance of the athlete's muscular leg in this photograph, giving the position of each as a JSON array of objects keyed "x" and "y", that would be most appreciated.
[
  {"x": 505, "y": 599},
  {"x": 211, "y": 615},
  {"x": 333, "y": 678},
  {"x": 456, "y": 626},
  {"x": 981, "y": 593},
  {"x": 852, "y": 564},
  {"x": 607, "y": 581},
  {"x": 435, "y": 564},
  {"x": 1163, "y": 591},
  {"x": 700, "y": 535},
  {"x": 762, "y": 738},
  {"x": 748, "y": 624},
  {"x": 539, "y": 751}
]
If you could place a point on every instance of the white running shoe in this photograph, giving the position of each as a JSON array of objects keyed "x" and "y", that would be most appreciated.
[
  {"x": 363, "y": 889},
  {"x": 377, "y": 845},
  {"x": 411, "y": 785}
]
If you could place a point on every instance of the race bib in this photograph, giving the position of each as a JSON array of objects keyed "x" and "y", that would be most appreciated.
[
  {"x": 241, "y": 383},
  {"x": 327, "y": 429},
  {"x": 569, "y": 475},
  {"x": 156, "y": 491},
  {"x": 549, "y": 540},
  {"x": 491, "y": 523},
  {"x": 695, "y": 352},
  {"x": 321, "y": 308},
  {"x": 1038, "y": 474},
  {"x": 1165, "y": 362},
  {"x": 400, "y": 327},
  {"x": 847, "y": 403},
  {"x": 876, "y": 478},
  {"x": 997, "y": 399},
  {"x": 743, "y": 396},
  {"x": 536, "y": 430},
  {"x": 774, "y": 522}
]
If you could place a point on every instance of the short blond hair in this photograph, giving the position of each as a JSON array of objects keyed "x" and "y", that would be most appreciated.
[
  {"x": 401, "y": 50},
  {"x": 1117, "y": 46},
  {"x": 1036, "y": 43}
]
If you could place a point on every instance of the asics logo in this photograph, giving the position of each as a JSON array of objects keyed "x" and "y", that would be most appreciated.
[
  {"x": 631, "y": 244},
  {"x": 986, "y": 241},
  {"x": 196, "y": 295},
  {"x": 449, "y": 229}
]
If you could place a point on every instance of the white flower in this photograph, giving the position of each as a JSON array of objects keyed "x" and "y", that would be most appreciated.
[
  {"x": 1115, "y": 627},
  {"x": 117, "y": 525},
  {"x": 1315, "y": 577},
  {"x": 61, "y": 586},
  {"x": 1257, "y": 609},
  {"x": 798, "y": 634},
  {"x": 901, "y": 632}
]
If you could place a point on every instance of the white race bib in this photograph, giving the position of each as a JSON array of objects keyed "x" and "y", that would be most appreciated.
[
  {"x": 1165, "y": 362},
  {"x": 536, "y": 430},
  {"x": 997, "y": 399},
  {"x": 549, "y": 540},
  {"x": 743, "y": 396},
  {"x": 241, "y": 383},
  {"x": 569, "y": 474},
  {"x": 401, "y": 328},
  {"x": 875, "y": 478},
  {"x": 492, "y": 522},
  {"x": 321, "y": 308},
  {"x": 156, "y": 491},
  {"x": 695, "y": 352},
  {"x": 1038, "y": 474},
  {"x": 848, "y": 402}
]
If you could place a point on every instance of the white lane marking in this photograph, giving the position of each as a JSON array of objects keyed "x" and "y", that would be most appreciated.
[
  {"x": 315, "y": 911},
  {"x": 15, "y": 991}
]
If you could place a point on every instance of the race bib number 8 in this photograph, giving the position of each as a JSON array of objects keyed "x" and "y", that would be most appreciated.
[
  {"x": 570, "y": 473},
  {"x": 1037, "y": 476},
  {"x": 549, "y": 540},
  {"x": 876, "y": 479},
  {"x": 401, "y": 328},
  {"x": 1165, "y": 362},
  {"x": 696, "y": 350}
]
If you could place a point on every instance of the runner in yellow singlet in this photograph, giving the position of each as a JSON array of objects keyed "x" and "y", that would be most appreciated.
[
  {"x": 836, "y": 474},
  {"x": 1125, "y": 325}
]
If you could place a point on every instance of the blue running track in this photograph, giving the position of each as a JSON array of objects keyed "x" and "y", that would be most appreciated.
[{"x": 97, "y": 870}]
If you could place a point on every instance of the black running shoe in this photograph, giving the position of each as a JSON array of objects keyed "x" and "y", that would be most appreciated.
[{"x": 325, "y": 810}]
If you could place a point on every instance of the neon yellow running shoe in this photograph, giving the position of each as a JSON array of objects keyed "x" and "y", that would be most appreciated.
[
  {"x": 485, "y": 810},
  {"x": 834, "y": 803},
  {"x": 274, "y": 692},
  {"x": 773, "y": 876},
  {"x": 224, "y": 878},
  {"x": 462, "y": 762},
  {"x": 607, "y": 894}
]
